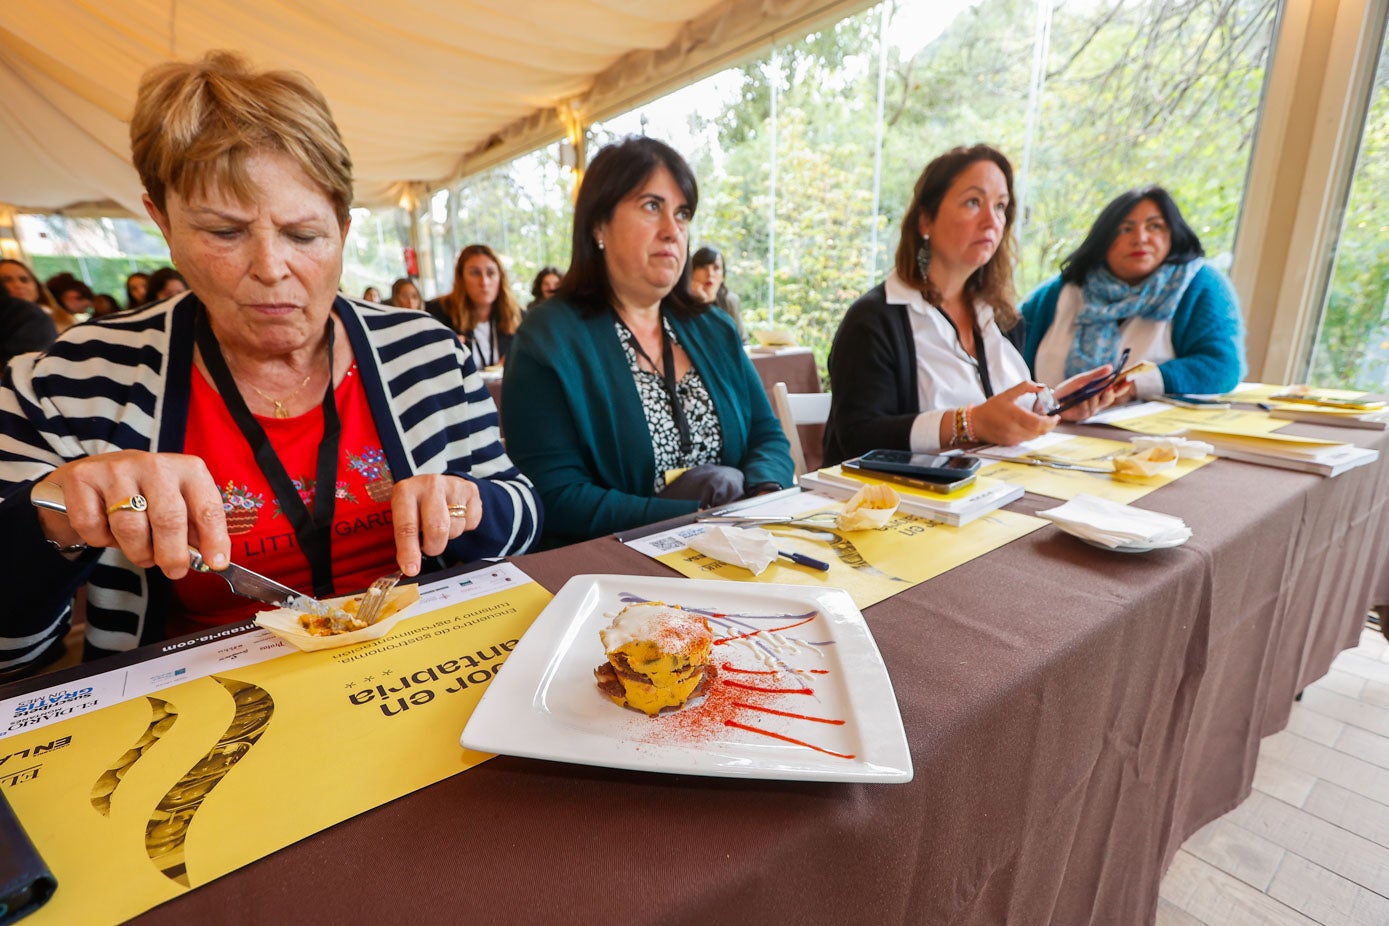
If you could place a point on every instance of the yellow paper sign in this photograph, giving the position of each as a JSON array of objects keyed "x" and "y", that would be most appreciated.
[
  {"x": 138, "y": 802},
  {"x": 1174, "y": 419},
  {"x": 871, "y": 565},
  {"x": 1263, "y": 392},
  {"x": 1066, "y": 484}
]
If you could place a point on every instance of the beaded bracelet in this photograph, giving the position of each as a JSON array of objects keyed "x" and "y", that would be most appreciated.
[
  {"x": 958, "y": 431},
  {"x": 969, "y": 424}
]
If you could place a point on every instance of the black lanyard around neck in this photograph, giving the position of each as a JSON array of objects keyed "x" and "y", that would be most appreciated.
[
  {"x": 315, "y": 532},
  {"x": 667, "y": 374},
  {"x": 492, "y": 343},
  {"x": 981, "y": 362}
]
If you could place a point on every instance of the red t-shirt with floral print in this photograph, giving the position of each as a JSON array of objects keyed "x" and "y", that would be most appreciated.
[{"x": 263, "y": 539}]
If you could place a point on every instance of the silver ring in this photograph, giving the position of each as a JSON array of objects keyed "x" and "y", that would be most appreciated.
[
  {"x": 458, "y": 511},
  {"x": 133, "y": 503}
]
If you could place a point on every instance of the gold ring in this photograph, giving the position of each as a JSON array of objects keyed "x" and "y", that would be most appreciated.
[
  {"x": 458, "y": 511},
  {"x": 133, "y": 503}
]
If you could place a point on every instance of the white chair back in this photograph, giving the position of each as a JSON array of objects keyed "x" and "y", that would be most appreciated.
[{"x": 794, "y": 408}]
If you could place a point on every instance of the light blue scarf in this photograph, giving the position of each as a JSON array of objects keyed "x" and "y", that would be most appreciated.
[{"x": 1108, "y": 301}]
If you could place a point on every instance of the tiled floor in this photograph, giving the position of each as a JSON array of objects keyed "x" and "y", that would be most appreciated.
[{"x": 1311, "y": 844}]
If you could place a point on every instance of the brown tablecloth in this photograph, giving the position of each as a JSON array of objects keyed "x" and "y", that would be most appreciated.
[
  {"x": 1073, "y": 715},
  {"x": 794, "y": 368}
]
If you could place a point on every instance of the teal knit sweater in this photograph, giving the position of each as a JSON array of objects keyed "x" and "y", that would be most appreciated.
[{"x": 574, "y": 423}]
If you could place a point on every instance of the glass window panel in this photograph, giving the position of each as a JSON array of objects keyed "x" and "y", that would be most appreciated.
[
  {"x": 1352, "y": 345},
  {"x": 1138, "y": 93},
  {"x": 524, "y": 211},
  {"x": 100, "y": 252},
  {"x": 1132, "y": 92},
  {"x": 374, "y": 252}
]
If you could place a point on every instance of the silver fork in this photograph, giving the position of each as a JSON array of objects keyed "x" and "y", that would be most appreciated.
[{"x": 375, "y": 598}]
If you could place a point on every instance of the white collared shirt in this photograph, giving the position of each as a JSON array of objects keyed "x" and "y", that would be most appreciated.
[
  {"x": 483, "y": 356},
  {"x": 946, "y": 376}
]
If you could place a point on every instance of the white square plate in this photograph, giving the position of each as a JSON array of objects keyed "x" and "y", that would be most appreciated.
[{"x": 801, "y": 693}]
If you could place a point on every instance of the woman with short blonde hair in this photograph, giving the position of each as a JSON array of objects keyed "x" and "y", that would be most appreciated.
[{"x": 260, "y": 417}]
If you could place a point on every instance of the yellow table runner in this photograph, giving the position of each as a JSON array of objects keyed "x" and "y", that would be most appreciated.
[
  {"x": 133, "y": 801},
  {"x": 871, "y": 565},
  {"x": 1066, "y": 484},
  {"x": 1160, "y": 418}
]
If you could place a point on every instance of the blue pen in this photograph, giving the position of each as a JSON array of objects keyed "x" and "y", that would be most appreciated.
[{"x": 801, "y": 559}]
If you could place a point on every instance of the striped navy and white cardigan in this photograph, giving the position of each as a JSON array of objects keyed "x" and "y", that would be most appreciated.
[{"x": 122, "y": 383}]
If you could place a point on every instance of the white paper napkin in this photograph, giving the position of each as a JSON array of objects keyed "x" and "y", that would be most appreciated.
[
  {"x": 1118, "y": 527},
  {"x": 751, "y": 548}
]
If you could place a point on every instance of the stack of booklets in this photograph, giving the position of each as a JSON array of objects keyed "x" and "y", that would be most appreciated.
[
  {"x": 1308, "y": 454},
  {"x": 955, "y": 508},
  {"x": 1336, "y": 417}
]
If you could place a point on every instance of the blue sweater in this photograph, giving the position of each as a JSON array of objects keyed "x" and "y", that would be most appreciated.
[
  {"x": 1207, "y": 334},
  {"x": 574, "y": 422}
]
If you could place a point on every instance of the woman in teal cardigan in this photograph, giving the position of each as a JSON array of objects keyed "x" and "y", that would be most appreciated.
[
  {"x": 1138, "y": 281},
  {"x": 625, "y": 400}
]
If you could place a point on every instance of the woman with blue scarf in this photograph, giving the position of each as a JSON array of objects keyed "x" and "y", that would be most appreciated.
[{"x": 1138, "y": 281}]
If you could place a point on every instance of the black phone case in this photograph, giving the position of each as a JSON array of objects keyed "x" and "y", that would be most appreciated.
[
  {"x": 942, "y": 474},
  {"x": 25, "y": 881}
]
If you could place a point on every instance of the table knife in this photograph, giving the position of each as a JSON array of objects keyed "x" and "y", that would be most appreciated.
[
  {"x": 244, "y": 582},
  {"x": 1051, "y": 464}
]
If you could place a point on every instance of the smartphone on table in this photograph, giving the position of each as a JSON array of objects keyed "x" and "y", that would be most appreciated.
[{"x": 933, "y": 471}]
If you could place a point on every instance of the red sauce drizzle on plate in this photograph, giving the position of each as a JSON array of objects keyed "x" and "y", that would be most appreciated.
[
  {"x": 727, "y": 703},
  {"x": 797, "y": 691},
  {"x": 726, "y": 667},
  {"x": 772, "y": 710},
  {"x": 778, "y": 736}
]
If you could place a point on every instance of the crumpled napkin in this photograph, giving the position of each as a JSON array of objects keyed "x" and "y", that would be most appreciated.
[
  {"x": 1183, "y": 448},
  {"x": 1146, "y": 462},
  {"x": 871, "y": 507},
  {"x": 752, "y": 548},
  {"x": 1117, "y": 527}
]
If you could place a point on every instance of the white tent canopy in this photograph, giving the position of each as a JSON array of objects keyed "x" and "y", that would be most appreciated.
[{"x": 424, "y": 91}]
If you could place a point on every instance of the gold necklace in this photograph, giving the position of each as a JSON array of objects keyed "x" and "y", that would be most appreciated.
[{"x": 280, "y": 410}]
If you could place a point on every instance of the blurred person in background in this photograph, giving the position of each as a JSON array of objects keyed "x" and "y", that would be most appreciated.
[
  {"x": 544, "y": 285},
  {"x": 74, "y": 300},
  {"x": 24, "y": 327},
  {"x": 103, "y": 304},
  {"x": 20, "y": 283},
  {"x": 405, "y": 294},
  {"x": 707, "y": 282},
  {"x": 371, "y": 294},
  {"x": 136, "y": 287},
  {"x": 480, "y": 308},
  {"x": 165, "y": 283}
]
